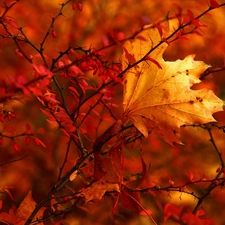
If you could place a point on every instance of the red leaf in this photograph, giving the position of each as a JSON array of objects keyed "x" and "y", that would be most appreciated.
[
  {"x": 28, "y": 126},
  {"x": 79, "y": 6},
  {"x": 166, "y": 41},
  {"x": 198, "y": 33},
  {"x": 214, "y": 4},
  {"x": 173, "y": 211},
  {"x": 153, "y": 60},
  {"x": 18, "y": 52},
  {"x": 197, "y": 23},
  {"x": 159, "y": 27},
  {"x": 190, "y": 14},
  {"x": 136, "y": 183},
  {"x": 180, "y": 36},
  {"x": 84, "y": 66},
  {"x": 129, "y": 201},
  {"x": 75, "y": 71},
  {"x": 131, "y": 59},
  {"x": 216, "y": 182},
  {"x": 35, "y": 91},
  {"x": 42, "y": 70},
  {"x": 9, "y": 20},
  {"x": 16, "y": 147},
  {"x": 41, "y": 130},
  {"x": 114, "y": 67},
  {"x": 191, "y": 176},
  {"x": 120, "y": 36},
  {"x": 7, "y": 218},
  {"x": 44, "y": 83},
  {"x": 54, "y": 34},
  {"x": 145, "y": 213},
  {"x": 39, "y": 142},
  {"x": 27, "y": 141},
  {"x": 66, "y": 199},
  {"x": 190, "y": 218},
  {"x": 73, "y": 90},
  {"x": 200, "y": 212},
  {"x": 73, "y": 6}
]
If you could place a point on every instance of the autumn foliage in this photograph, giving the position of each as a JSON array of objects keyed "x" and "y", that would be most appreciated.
[{"x": 111, "y": 112}]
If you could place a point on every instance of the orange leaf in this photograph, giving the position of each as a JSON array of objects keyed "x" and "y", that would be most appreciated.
[
  {"x": 99, "y": 188},
  {"x": 26, "y": 208}
]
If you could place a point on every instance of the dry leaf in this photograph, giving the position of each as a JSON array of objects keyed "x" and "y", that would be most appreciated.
[
  {"x": 110, "y": 179},
  {"x": 98, "y": 189},
  {"x": 26, "y": 208},
  {"x": 161, "y": 100},
  {"x": 73, "y": 175}
]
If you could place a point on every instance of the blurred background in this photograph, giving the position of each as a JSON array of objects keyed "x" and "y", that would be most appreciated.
[{"x": 98, "y": 24}]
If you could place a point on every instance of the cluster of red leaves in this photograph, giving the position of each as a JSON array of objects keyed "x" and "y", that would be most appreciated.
[
  {"x": 91, "y": 61},
  {"x": 181, "y": 215}
]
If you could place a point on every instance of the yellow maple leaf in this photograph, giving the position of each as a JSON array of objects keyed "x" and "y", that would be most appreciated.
[{"x": 157, "y": 93}]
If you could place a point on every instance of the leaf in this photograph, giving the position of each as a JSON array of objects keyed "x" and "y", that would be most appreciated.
[
  {"x": 137, "y": 182},
  {"x": 130, "y": 201},
  {"x": 26, "y": 208},
  {"x": 173, "y": 211},
  {"x": 190, "y": 218},
  {"x": 38, "y": 142},
  {"x": 161, "y": 100},
  {"x": 6, "y": 189},
  {"x": 109, "y": 176},
  {"x": 190, "y": 14},
  {"x": 73, "y": 175},
  {"x": 8, "y": 219},
  {"x": 99, "y": 188},
  {"x": 214, "y": 4},
  {"x": 191, "y": 176}
]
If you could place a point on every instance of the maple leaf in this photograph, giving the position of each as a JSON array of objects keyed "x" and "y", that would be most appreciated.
[{"x": 157, "y": 93}]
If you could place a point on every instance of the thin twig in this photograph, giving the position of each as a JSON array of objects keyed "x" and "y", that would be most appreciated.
[
  {"x": 213, "y": 185},
  {"x": 14, "y": 160},
  {"x": 56, "y": 187},
  {"x": 65, "y": 159}
]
